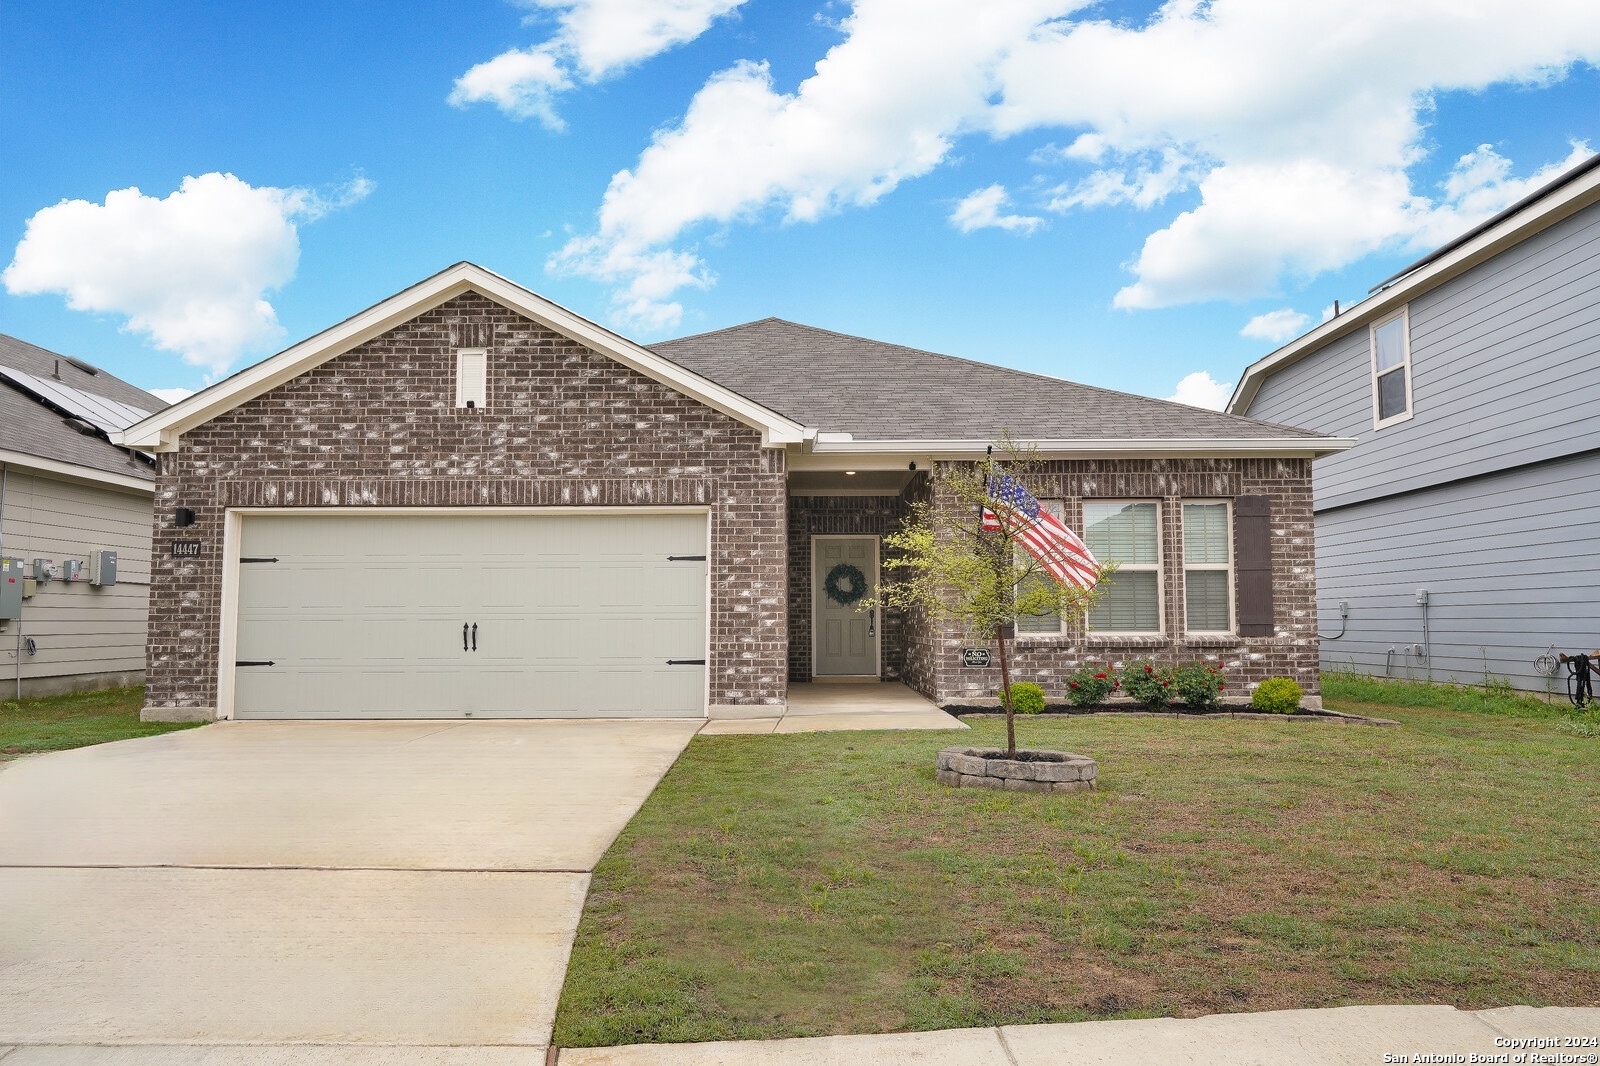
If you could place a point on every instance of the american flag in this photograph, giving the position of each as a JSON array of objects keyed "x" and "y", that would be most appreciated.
[{"x": 1045, "y": 536}]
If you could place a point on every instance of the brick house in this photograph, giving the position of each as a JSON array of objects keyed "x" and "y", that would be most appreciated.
[{"x": 468, "y": 501}]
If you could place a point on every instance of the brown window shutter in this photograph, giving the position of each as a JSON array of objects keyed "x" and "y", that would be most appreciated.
[{"x": 1252, "y": 553}]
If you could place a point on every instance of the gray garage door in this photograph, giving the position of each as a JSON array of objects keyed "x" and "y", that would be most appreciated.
[{"x": 471, "y": 615}]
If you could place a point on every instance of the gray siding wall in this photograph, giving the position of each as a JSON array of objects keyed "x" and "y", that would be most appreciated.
[
  {"x": 1511, "y": 565},
  {"x": 1505, "y": 370},
  {"x": 80, "y": 630}
]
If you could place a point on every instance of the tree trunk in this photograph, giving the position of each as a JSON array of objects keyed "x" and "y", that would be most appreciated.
[{"x": 1005, "y": 695}]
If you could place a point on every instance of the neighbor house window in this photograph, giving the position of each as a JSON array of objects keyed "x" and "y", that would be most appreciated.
[
  {"x": 1391, "y": 370},
  {"x": 1041, "y": 623},
  {"x": 1128, "y": 534},
  {"x": 472, "y": 378},
  {"x": 1207, "y": 568}
]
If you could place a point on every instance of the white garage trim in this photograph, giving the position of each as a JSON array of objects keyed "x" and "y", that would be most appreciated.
[{"x": 233, "y": 520}]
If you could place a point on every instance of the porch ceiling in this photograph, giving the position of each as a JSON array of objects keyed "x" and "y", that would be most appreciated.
[{"x": 840, "y": 483}]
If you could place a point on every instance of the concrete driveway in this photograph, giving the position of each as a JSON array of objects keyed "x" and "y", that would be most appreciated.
[{"x": 415, "y": 885}]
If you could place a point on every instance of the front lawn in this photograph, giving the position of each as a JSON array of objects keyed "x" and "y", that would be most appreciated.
[
  {"x": 52, "y": 723},
  {"x": 825, "y": 883}
]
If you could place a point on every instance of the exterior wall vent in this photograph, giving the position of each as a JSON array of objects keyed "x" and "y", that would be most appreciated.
[{"x": 472, "y": 378}]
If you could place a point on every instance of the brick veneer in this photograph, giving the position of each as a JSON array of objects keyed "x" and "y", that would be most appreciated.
[
  {"x": 377, "y": 427},
  {"x": 863, "y": 515},
  {"x": 1291, "y": 652}
]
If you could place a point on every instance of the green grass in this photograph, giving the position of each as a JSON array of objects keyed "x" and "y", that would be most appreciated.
[
  {"x": 810, "y": 884},
  {"x": 54, "y": 723}
]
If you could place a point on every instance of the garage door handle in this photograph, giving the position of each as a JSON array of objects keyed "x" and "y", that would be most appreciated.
[
  {"x": 255, "y": 662},
  {"x": 686, "y": 662},
  {"x": 463, "y": 636}
]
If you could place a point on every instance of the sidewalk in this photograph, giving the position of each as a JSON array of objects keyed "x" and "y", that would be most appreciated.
[{"x": 1339, "y": 1036}]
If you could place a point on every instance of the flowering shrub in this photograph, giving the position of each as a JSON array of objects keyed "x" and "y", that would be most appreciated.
[
  {"x": 1198, "y": 684},
  {"x": 1148, "y": 683},
  {"x": 1026, "y": 698},
  {"x": 1090, "y": 684}
]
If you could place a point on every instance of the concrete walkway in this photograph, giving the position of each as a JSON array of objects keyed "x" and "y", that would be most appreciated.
[
  {"x": 410, "y": 884},
  {"x": 1341, "y": 1036},
  {"x": 825, "y": 707}
]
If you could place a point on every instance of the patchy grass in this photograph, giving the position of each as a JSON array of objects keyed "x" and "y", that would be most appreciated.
[
  {"x": 53, "y": 723},
  {"x": 810, "y": 884},
  {"x": 1497, "y": 697}
]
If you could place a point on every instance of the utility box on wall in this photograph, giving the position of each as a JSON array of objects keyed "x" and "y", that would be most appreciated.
[
  {"x": 103, "y": 568},
  {"x": 11, "y": 576}
]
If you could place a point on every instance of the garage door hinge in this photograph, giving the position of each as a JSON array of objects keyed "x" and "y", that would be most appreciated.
[{"x": 686, "y": 662}]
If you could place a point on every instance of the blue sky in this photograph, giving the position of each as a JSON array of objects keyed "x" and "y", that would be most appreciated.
[{"x": 1103, "y": 192}]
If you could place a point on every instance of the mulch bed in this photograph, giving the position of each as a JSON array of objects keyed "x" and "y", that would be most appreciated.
[{"x": 1176, "y": 710}]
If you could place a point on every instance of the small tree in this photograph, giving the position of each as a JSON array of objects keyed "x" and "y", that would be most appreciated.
[{"x": 945, "y": 563}]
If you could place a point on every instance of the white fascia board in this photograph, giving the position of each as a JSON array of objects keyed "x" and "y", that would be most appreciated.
[
  {"x": 888, "y": 454},
  {"x": 1562, "y": 203},
  {"x": 161, "y": 431},
  {"x": 56, "y": 468}
]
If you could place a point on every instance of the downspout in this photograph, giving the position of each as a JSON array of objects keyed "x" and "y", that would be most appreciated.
[
  {"x": 1427, "y": 641},
  {"x": 5, "y": 472}
]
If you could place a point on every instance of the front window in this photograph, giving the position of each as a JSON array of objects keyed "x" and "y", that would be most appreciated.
[
  {"x": 1207, "y": 568},
  {"x": 1391, "y": 370},
  {"x": 1127, "y": 534}
]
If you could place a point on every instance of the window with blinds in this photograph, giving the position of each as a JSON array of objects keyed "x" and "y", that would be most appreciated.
[
  {"x": 1207, "y": 568},
  {"x": 1128, "y": 534}
]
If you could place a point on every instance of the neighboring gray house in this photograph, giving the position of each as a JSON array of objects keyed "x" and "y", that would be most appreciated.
[
  {"x": 1462, "y": 531},
  {"x": 67, "y": 493},
  {"x": 469, "y": 501}
]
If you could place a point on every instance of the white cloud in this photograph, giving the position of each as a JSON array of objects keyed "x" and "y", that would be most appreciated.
[
  {"x": 171, "y": 395},
  {"x": 519, "y": 83},
  {"x": 1292, "y": 127},
  {"x": 1277, "y": 326},
  {"x": 981, "y": 210},
  {"x": 191, "y": 272},
  {"x": 1201, "y": 390},
  {"x": 594, "y": 39}
]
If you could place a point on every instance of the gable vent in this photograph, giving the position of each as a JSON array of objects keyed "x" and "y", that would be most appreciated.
[
  {"x": 471, "y": 334},
  {"x": 472, "y": 378}
]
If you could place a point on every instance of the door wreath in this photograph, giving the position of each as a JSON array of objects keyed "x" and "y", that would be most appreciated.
[{"x": 845, "y": 584}]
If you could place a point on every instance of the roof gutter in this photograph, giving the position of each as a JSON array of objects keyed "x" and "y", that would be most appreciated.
[
  {"x": 77, "y": 473},
  {"x": 1265, "y": 448}
]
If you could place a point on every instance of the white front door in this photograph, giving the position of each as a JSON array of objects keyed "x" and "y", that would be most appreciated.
[
  {"x": 844, "y": 571},
  {"x": 478, "y": 615}
]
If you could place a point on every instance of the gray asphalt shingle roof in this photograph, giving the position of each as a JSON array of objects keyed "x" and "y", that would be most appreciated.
[
  {"x": 876, "y": 391},
  {"x": 29, "y": 427}
]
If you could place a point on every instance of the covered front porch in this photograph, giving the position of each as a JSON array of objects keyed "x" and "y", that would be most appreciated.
[{"x": 821, "y": 706}]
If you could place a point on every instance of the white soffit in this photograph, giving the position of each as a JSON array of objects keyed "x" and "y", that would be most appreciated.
[
  {"x": 161, "y": 431},
  {"x": 1566, "y": 199}
]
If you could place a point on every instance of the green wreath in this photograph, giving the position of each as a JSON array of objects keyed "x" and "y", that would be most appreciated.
[{"x": 845, "y": 584}]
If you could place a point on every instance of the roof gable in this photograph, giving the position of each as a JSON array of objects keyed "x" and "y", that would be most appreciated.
[
  {"x": 162, "y": 431},
  {"x": 1562, "y": 198}
]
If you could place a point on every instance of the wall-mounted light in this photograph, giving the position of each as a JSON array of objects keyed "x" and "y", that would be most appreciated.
[
  {"x": 913, "y": 466},
  {"x": 183, "y": 516}
]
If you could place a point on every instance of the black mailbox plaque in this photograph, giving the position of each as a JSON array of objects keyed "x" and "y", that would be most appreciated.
[{"x": 974, "y": 656}]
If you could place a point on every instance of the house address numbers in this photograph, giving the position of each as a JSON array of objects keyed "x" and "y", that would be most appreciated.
[{"x": 185, "y": 549}]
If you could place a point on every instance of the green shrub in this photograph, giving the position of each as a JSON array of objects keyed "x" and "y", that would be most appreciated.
[
  {"x": 1277, "y": 695},
  {"x": 1026, "y": 697},
  {"x": 1198, "y": 684},
  {"x": 1090, "y": 684},
  {"x": 1149, "y": 683}
]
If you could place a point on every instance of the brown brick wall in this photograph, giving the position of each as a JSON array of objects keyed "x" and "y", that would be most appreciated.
[
  {"x": 1045, "y": 660},
  {"x": 864, "y": 515},
  {"x": 564, "y": 425}
]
